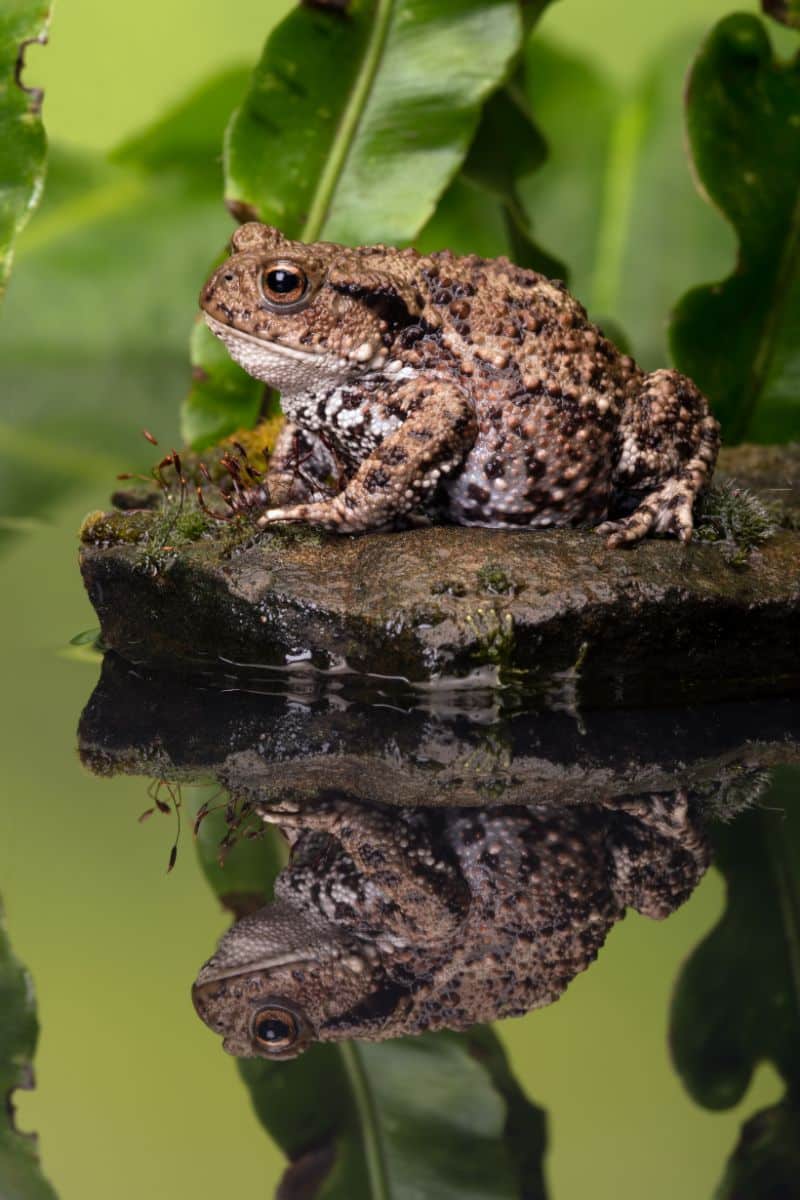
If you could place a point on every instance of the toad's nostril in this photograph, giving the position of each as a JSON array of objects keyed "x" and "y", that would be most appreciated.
[{"x": 228, "y": 278}]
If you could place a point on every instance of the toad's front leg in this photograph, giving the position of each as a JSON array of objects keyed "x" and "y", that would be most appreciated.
[{"x": 404, "y": 470}]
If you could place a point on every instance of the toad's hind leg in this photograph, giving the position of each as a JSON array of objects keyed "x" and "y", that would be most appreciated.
[{"x": 668, "y": 444}]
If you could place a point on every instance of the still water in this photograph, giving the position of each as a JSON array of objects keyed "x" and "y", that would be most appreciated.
[{"x": 489, "y": 898}]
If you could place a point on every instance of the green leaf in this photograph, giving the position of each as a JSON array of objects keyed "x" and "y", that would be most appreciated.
[
  {"x": 23, "y": 145},
  {"x": 20, "y": 1175},
  {"x": 737, "y": 1000},
  {"x": 93, "y": 340},
  {"x": 506, "y": 148},
  {"x": 425, "y": 1116},
  {"x": 615, "y": 197},
  {"x": 738, "y": 339},
  {"x": 766, "y": 1163},
  {"x": 358, "y": 118},
  {"x": 785, "y": 11}
]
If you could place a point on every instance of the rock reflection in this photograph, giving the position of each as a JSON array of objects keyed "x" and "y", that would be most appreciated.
[{"x": 389, "y": 922}]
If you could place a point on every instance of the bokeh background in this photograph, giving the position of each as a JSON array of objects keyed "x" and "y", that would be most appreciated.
[{"x": 134, "y": 1096}]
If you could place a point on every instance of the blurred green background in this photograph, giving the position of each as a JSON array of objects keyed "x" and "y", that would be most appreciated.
[{"x": 134, "y": 1096}]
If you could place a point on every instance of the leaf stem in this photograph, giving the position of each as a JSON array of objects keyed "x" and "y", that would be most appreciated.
[
  {"x": 368, "y": 1121},
  {"x": 348, "y": 123}
]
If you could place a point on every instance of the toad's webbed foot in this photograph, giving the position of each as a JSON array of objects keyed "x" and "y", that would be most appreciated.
[
  {"x": 667, "y": 510},
  {"x": 668, "y": 444}
]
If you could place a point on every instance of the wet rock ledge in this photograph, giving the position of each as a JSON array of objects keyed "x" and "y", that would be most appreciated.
[{"x": 551, "y": 612}]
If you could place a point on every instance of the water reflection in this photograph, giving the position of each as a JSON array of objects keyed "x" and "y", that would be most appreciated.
[
  {"x": 446, "y": 868},
  {"x": 390, "y": 922},
  {"x": 425, "y": 863}
]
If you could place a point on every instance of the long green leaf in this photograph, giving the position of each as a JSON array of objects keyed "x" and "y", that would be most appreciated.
[
  {"x": 20, "y": 1175},
  {"x": 739, "y": 339},
  {"x": 425, "y": 1116},
  {"x": 357, "y": 119},
  {"x": 23, "y": 146}
]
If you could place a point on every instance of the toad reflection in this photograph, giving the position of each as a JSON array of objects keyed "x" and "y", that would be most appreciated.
[{"x": 389, "y": 921}]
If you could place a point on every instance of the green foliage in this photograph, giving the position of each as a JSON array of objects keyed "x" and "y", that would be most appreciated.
[
  {"x": 436, "y": 1115},
  {"x": 766, "y": 1163},
  {"x": 368, "y": 117},
  {"x": 737, "y": 1000},
  {"x": 785, "y": 11},
  {"x": 738, "y": 339},
  {"x": 93, "y": 345},
  {"x": 20, "y": 1176},
  {"x": 616, "y": 198},
  {"x": 22, "y": 140}
]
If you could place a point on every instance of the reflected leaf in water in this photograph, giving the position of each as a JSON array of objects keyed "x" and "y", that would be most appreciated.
[
  {"x": 737, "y": 1001},
  {"x": 389, "y": 922},
  {"x": 20, "y": 1175},
  {"x": 439, "y": 1115}
]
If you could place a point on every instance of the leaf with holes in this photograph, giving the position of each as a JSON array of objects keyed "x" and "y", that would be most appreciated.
[
  {"x": 23, "y": 146},
  {"x": 20, "y": 1175},
  {"x": 739, "y": 338}
]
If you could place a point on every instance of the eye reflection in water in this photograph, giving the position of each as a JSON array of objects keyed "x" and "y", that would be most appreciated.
[{"x": 389, "y": 921}]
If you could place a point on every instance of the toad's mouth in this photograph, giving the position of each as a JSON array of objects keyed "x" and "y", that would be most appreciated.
[{"x": 228, "y": 333}]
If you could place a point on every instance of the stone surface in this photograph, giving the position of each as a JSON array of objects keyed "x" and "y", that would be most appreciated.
[{"x": 554, "y": 612}]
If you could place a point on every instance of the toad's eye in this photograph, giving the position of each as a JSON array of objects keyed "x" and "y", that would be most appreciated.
[
  {"x": 275, "y": 1028},
  {"x": 283, "y": 284}
]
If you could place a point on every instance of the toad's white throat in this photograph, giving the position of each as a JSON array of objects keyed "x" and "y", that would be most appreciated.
[{"x": 283, "y": 367}]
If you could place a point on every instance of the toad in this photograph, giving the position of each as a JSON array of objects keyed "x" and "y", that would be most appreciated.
[
  {"x": 462, "y": 389},
  {"x": 389, "y": 921}
]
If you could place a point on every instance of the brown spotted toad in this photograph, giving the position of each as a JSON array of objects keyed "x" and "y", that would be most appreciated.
[
  {"x": 432, "y": 387},
  {"x": 389, "y": 922}
]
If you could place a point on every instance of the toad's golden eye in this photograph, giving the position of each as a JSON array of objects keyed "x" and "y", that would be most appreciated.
[
  {"x": 275, "y": 1028},
  {"x": 283, "y": 284}
]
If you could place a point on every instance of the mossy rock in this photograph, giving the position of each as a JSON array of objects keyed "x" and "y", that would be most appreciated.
[{"x": 535, "y": 611}]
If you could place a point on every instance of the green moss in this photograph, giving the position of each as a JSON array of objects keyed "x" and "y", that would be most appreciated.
[
  {"x": 191, "y": 524},
  {"x": 116, "y": 528},
  {"x": 493, "y": 578},
  {"x": 735, "y": 518}
]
